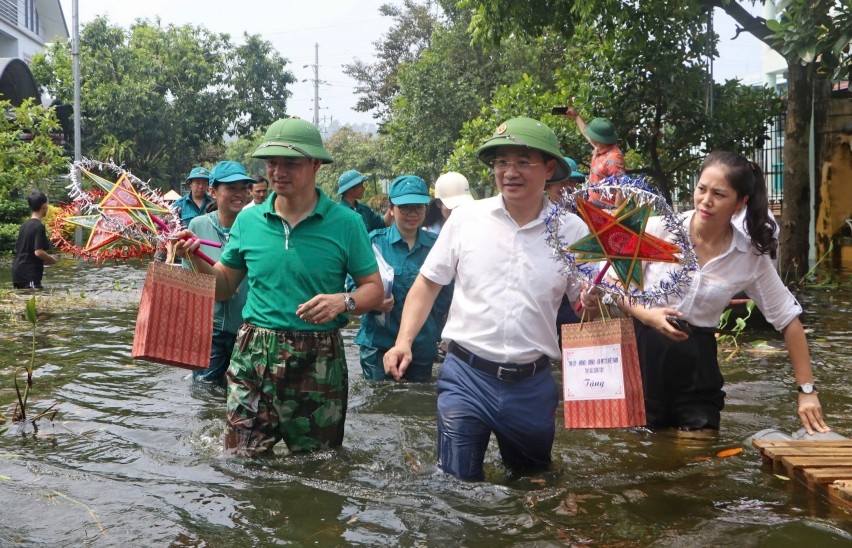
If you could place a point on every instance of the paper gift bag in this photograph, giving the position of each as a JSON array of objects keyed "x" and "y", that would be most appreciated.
[
  {"x": 175, "y": 321},
  {"x": 602, "y": 383}
]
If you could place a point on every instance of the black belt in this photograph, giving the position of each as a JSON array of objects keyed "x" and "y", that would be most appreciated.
[{"x": 508, "y": 372}]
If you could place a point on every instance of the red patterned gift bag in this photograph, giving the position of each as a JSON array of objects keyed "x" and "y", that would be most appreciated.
[
  {"x": 602, "y": 383},
  {"x": 175, "y": 321}
]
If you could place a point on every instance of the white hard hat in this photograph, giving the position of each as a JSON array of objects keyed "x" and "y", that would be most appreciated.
[{"x": 453, "y": 189}]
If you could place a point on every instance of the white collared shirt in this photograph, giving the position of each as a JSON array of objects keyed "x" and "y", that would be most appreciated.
[
  {"x": 508, "y": 284},
  {"x": 739, "y": 268}
]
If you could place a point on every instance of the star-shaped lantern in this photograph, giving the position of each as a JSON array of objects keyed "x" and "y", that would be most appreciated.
[
  {"x": 620, "y": 239},
  {"x": 124, "y": 215}
]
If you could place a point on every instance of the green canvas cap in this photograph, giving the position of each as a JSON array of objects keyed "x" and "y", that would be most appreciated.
[
  {"x": 574, "y": 173},
  {"x": 408, "y": 189},
  {"x": 602, "y": 131},
  {"x": 228, "y": 171},
  {"x": 292, "y": 138},
  {"x": 198, "y": 173},
  {"x": 526, "y": 132},
  {"x": 349, "y": 179}
]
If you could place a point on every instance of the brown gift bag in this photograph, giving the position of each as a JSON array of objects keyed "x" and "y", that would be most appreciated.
[
  {"x": 175, "y": 321},
  {"x": 602, "y": 383}
]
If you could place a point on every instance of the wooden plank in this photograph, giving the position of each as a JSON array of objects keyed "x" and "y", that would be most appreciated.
[
  {"x": 792, "y": 463},
  {"x": 840, "y": 492},
  {"x": 816, "y": 461},
  {"x": 796, "y": 443},
  {"x": 821, "y": 476},
  {"x": 780, "y": 452},
  {"x": 825, "y": 467}
]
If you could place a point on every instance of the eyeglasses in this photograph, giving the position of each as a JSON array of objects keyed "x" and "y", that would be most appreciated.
[
  {"x": 520, "y": 165},
  {"x": 412, "y": 209}
]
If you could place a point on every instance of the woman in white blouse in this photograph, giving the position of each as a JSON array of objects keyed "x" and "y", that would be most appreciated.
[{"x": 680, "y": 371}]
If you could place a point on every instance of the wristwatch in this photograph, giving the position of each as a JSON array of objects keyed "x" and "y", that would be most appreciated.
[
  {"x": 807, "y": 388},
  {"x": 349, "y": 302}
]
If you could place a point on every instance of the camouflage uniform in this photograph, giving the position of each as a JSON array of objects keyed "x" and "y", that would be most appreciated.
[{"x": 286, "y": 385}]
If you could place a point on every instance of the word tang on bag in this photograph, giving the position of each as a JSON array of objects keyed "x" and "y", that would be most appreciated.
[{"x": 602, "y": 382}]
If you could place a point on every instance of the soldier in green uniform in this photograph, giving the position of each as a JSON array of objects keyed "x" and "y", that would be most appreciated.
[
  {"x": 288, "y": 375},
  {"x": 350, "y": 188}
]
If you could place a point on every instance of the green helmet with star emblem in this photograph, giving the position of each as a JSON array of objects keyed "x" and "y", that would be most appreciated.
[{"x": 526, "y": 132}]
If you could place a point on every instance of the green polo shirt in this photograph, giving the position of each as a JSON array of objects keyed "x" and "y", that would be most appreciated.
[{"x": 287, "y": 266}]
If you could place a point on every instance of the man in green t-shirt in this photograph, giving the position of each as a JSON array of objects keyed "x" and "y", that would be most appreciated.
[{"x": 288, "y": 377}]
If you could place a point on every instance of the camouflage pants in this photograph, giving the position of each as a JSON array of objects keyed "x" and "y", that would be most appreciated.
[{"x": 286, "y": 385}]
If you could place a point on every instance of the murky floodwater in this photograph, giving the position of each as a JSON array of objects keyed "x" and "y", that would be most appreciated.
[{"x": 131, "y": 457}]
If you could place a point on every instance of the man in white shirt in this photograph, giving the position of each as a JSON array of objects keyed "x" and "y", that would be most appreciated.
[
  {"x": 258, "y": 190},
  {"x": 501, "y": 326}
]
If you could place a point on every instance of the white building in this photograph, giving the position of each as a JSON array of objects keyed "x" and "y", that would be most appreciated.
[{"x": 27, "y": 25}]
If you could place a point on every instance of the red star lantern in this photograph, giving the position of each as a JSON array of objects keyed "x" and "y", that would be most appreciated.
[
  {"x": 621, "y": 241},
  {"x": 125, "y": 224}
]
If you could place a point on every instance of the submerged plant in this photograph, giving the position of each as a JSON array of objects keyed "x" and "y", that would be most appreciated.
[
  {"x": 739, "y": 326},
  {"x": 20, "y": 412}
]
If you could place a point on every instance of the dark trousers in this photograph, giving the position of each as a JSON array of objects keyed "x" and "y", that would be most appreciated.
[
  {"x": 681, "y": 380},
  {"x": 472, "y": 404}
]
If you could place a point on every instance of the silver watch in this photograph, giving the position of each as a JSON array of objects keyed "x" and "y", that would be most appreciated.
[
  {"x": 807, "y": 388},
  {"x": 349, "y": 302}
]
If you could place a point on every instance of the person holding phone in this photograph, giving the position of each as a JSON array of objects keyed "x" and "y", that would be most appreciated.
[
  {"x": 607, "y": 159},
  {"x": 677, "y": 346}
]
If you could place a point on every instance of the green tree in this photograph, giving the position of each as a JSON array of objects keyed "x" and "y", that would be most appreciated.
[
  {"x": 353, "y": 150},
  {"x": 166, "y": 96},
  {"x": 29, "y": 157},
  {"x": 627, "y": 73},
  {"x": 810, "y": 35},
  {"x": 448, "y": 84},
  {"x": 377, "y": 82},
  {"x": 813, "y": 37}
]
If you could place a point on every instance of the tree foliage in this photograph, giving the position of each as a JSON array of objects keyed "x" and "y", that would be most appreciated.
[
  {"x": 648, "y": 77},
  {"x": 813, "y": 37},
  {"x": 29, "y": 157},
  {"x": 378, "y": 82},
  {"x": 161, "y": 98},
  {"x": 448, "y": 84},
  {"x": 353, "y": 150}
]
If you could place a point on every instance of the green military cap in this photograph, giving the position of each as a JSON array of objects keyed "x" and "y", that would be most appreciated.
[
  {"x": 292, "y": 138},
  {"x": 526, "y": 132}
]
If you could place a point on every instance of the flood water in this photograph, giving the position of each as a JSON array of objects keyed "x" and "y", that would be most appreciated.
[{"x": 132, "y": 455}]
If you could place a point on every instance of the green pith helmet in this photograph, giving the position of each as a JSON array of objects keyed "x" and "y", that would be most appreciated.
[
  {"x": 292, "y": 138},
  {"x": 526, "y": 132},
  {"x": 602, "y": 131},
  {"x": 349, "y": 179},
  {"x": 573, "y": 175}
]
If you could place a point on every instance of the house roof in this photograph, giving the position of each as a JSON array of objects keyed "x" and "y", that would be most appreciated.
[
  {"x": 16, "y": 81},
  {"x": 52, "y": 18}
]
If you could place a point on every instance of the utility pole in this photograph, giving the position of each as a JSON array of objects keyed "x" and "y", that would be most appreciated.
[
  {"x": 316, "y": 84},
  {"x": 75, "y": 67}
]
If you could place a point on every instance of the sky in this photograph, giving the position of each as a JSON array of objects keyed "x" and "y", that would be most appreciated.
[{"x": 344, "y": 30}]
